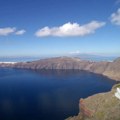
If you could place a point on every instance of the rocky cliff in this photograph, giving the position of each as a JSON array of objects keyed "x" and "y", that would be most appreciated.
[
  {"x": 109, "y": 69},
  {"x": 103, "y": 106}
]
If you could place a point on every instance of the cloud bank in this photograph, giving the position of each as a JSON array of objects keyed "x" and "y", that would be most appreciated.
[
  {"x": 115, "y": 17},
  {"x": 11, "y": 30},
  {"x": 20, "y": 32},
  {"x": 6, "y": 31},
  {"x": 75, "y": 52},
  {"x": 70, "y": 29}
]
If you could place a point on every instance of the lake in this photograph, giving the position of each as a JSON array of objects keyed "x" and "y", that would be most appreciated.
[{"x": 46, "y": 95}]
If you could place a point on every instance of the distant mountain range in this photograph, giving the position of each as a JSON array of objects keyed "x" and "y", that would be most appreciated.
[
  {"x": 92, "y": 57},
  {"x": 109, "y": 69}
]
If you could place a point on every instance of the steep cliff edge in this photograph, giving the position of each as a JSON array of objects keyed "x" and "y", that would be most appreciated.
[
  {"x": 109, "y": 69},
  {"x": 103, "y": 106}
]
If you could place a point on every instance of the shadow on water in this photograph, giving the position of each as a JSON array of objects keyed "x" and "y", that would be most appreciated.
[{"x": 46, "y": 94}]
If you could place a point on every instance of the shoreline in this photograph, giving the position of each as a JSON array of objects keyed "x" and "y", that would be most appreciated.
[
  {"x": 8, "y": 62},
  {"x": 108, "y": 69}
]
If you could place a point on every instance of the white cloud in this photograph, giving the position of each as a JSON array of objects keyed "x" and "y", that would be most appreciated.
[
  {"x": 115, "y": 17},
  {"x": 20, "y": 32},
  {"x": 6, "y": 31},
  {"x": 70, "y": 29},
  {"x": 11, "y": 30},
  {"x": 75, "y": 52}
]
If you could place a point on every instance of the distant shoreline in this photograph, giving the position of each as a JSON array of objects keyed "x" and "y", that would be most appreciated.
[
  {"x": 8, "y": 62},
  {"x": 109, "y": 69}
]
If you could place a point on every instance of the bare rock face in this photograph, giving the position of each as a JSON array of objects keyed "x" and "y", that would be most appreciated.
[
  {"x": 113, "y": 70},
  {"x": 103, "y": 106},
  {"x": 109, "y": 69},
  {"x": 86, "y": 112}
]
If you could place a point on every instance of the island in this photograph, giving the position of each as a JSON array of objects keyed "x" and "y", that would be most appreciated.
[{"x": 106, "y": 68}]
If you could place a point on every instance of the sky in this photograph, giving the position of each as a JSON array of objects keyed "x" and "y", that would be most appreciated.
[{"x": 58, "y": 27}]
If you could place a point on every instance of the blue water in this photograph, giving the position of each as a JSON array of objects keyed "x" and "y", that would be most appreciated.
[
  {"x": 19, "y": 59},
  {"x": 46, "y": 95}
]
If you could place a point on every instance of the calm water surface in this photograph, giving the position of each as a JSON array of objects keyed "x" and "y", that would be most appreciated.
[{"x": 46, "y": 95}]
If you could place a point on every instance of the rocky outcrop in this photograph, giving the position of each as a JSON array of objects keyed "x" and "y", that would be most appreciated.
[
  {"x": 109, "y": 69},
  {"x": 103, "y": 106},
  {"x": 85, "y": 110}
]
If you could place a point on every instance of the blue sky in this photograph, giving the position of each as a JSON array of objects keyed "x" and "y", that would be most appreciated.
[{"x": 58, "y": 27}]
